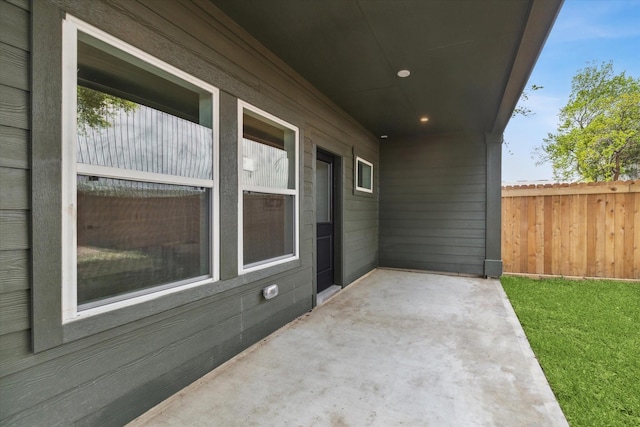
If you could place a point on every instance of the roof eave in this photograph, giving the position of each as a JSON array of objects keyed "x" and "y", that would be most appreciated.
[{"x": 542, "y": 16}]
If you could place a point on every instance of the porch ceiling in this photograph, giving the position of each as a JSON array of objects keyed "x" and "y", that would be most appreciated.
[{"x": 469, "y": 59}]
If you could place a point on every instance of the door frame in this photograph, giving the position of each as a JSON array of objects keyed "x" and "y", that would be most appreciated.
[{"x": 338, "y": 211}]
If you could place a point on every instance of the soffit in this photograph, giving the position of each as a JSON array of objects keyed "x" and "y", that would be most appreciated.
[{"x": 461, "y": 53}]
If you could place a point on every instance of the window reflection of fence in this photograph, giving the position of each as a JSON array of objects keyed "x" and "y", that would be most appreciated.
[
  {"x": 265, "y": 166},
  {"x": 129, "y": 242},
  {"x": 267, "y": 230},
  {"x": 149, "y": 140},
  {"x": 121, "y": 222},
  {"x": 588, "y": 230}
]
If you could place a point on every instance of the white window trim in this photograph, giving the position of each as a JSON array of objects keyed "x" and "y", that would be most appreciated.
[
  {"x": 70, "y": 169},
  {"x": 242, "y": 269},
  {"x": 358, "y": 188},
  {"x": 134, "y": 175}
]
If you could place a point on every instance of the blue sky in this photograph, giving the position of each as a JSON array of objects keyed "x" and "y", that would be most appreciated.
[{"x": 585, "y": 31}]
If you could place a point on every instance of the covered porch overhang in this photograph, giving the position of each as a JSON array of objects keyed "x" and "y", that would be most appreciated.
[
  {"x": 394, "y": 348},
  {"x": 469, "y": 60}
]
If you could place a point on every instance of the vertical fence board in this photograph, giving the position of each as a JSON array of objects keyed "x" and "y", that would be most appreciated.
[
  {"x": 591, "y": 224},
  {"x": 564, "y": 226},
  {"x": 601, "y": 236},
  {"x": 618, "y": 252},
  {"x": 540, "y": 252},
  {"x": 507, "y": 231},
  {"x": 590, "y": 230},
  {"x": 548, "y": 235},
  {"x": 572, "y": 243},
  {"x": 610, "y": 238},
  {"x": 524, "y": 234},
  {"x": 555, "y": 234},
  {"x": 531, "y": 233},
  {"x": 516, "y": 234},
  {"x": 630, "y": 206},
  {"x": 581, "y": 234},
  {"x": 636, "y": 238}
]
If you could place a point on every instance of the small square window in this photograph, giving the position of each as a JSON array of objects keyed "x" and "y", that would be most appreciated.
[{"x": 364, "y": 175}]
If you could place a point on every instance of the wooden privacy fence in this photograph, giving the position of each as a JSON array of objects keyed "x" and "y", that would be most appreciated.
[{"x": 588, "y": 230}]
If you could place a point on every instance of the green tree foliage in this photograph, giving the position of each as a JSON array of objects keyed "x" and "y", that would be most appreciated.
[
  {"x": 95, "y": 109},
  {"x": 598, "y": 138}
]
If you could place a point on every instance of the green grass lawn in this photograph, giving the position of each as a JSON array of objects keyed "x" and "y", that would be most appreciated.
[{"x": 586, "y": 336}]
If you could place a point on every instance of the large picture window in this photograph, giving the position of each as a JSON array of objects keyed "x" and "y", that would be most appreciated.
[
  {"x": 268, "y": 199},
  {"x": 139, "y": 175}
]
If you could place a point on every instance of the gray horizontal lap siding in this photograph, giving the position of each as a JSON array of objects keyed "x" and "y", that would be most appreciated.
[
  {"x": 432, "y": 203},
  {"x": 112, "y": 376},
  {"x": 14, "y": 174},
  {"x": 360, "y": 223}
]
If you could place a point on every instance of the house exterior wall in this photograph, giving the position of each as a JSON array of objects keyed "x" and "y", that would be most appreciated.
[
  {"x": 433, "y": 203},
  {"x": 109, "y": 374}
]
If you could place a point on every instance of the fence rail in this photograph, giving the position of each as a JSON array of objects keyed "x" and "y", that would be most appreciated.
[{"x": 588, "y": 230}]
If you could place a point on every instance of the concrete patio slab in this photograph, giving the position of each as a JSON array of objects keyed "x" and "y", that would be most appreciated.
[{"x": 394, "y": 348}]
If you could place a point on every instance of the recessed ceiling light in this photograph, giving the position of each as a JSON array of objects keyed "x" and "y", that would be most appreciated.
[
  {"x": 404, "y": 73},
  {"x": 424, "y": 119},
  {"x": 384, "y": 136}
]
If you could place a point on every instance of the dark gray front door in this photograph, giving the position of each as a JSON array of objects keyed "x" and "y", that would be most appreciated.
[{"x": 325, "y": 219}]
